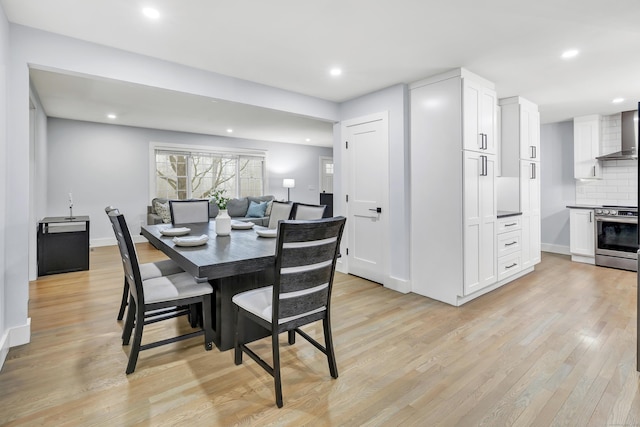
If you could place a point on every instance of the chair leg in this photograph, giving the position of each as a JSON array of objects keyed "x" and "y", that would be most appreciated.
[
  {"x": 207, "y": 322},
  {"x": 237, "y": 359},
  {"x": 276, "y": 366},
  {"x": 125, "y": 297},
  {"x": 292, "y": 336},
  {"x": 128, "y": 324},
  {"x": 328, "y": 342},
  {"x": 137, "y": 340}
]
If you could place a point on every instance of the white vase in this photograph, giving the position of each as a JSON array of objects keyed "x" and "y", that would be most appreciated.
[{"x": 223, "y": 223}]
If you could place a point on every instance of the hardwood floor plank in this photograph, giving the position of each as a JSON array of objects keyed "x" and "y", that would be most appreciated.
[{"x": 555, "y": 347}]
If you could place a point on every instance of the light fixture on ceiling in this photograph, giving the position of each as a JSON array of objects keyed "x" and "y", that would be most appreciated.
[
  {"x": 571, "y": 53},
  {"x": 335, "y": 72},
  {"x": 151, "y": 13},
  {"x": 308, "y": 139},
  {"x": 618, "y": 100},
  {"x": 229, "y": 130},
  {"x": 112, "y": 116}
]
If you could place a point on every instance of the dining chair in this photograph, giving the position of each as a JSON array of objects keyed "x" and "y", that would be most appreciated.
[
  {"x": 189, "y": 211},
  {"x": 306, "y": 253},
  {"x": 148, "y": 270},
  {"x": 279, "y": 211},
  {"x": 307, "y": 212},
  {"x": 176, "y": 292}
]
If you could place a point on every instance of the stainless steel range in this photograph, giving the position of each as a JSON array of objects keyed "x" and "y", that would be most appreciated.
[{"x": 617, "y": 237}]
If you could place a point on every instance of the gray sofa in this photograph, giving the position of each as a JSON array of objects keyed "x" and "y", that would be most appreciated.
[{"x": 237, "y": 209}]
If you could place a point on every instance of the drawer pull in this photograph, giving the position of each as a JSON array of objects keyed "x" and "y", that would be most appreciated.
[
  {"x": 510, "y": 244},
  {"x": 512, "y": 265},
  {"x": 511, "y": 225}
]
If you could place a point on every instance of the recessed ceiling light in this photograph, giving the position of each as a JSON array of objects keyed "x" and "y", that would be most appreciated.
[
  {"x": 335, "y": 71},
  {"x": 151, "y": 13},
  {"x": 570, "y": 53},
  {"x": 617, "y": 100},
  {"x": 308, "y": 139},
  {"x": 229, "y": 130},
  {"x": 111, "y": 116}
]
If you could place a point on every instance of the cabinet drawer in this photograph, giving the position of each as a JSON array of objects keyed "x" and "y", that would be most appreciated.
[
  {"x": 508, "y": 265},
  {"x": 509, "y": 243},
  {"x": 509, "y": 224}
]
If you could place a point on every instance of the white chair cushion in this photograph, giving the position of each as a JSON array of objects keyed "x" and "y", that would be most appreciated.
[
  {"x": 175, "y": 286},
  {"x": 259, "y": 302},
  {"x": 279, "y": 211},
  {"x": 166, "y": 267},
  {"x": 309, "y": 212}
]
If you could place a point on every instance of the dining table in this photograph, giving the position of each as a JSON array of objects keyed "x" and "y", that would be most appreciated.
[{"x": 235, "y": 263}]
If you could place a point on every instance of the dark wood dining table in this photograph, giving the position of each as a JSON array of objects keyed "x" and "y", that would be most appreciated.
[{"x": 232, "y": 264}]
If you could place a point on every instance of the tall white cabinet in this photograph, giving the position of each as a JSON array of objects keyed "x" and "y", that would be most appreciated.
[
  {"x": 520, "y": 151},
  {"x": 453, "y": 196},
  {"x": 586, "y": 147}
]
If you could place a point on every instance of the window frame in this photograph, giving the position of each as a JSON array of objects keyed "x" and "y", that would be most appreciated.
[{"x": 203, "y": 149}]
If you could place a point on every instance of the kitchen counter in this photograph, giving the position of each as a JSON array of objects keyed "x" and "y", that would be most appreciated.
[{"x": 505, "y": 214}]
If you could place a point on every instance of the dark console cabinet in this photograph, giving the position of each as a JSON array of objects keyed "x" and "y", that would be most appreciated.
[{"x": 63, "y": 245}]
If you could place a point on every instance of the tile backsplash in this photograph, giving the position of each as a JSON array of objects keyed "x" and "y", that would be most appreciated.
[{"x": 619, "y": 183}]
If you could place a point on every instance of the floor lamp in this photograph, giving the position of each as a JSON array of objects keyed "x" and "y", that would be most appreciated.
[{"x": 289, "y": 183}]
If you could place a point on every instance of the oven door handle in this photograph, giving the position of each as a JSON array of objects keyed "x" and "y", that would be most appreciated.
[{"x": 621, "y": 220}]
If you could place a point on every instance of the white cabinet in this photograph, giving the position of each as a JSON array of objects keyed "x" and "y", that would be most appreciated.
[
  {"x": 509, "y": 244},
  {"x": 582, "y": 243},
  {"x": 480, "y": 113},
  {"x": 520, "y": 153},
  {"x": 530, "y": 208},
  {"x": 586, "y": 147},
  {"x": 453, "y": 196},
  {"x": 479, "y": 221}
]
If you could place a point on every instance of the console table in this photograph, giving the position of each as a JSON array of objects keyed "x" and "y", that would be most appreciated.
[{"x": 63, "y": 245}]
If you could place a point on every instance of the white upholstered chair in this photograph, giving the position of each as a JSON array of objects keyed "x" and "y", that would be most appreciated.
[{"x": 189, "y": 211}]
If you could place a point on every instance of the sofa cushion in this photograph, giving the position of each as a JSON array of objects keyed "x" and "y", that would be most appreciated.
[
  {"x": 164, "y": 211},
  {"x": 213, "y": 209},
  {"x": 237, "y": 207},
  {"x": 256, "y": 210}
]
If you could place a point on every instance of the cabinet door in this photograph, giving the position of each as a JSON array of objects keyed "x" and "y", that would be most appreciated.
[
  {"x": 530, "y": 207},
  {"x": 582, "y": 232},
  {"x": 586, "y": 147},
  {"x": 480, "y": 118},
  {"x": 529, "y": 133},
  {"x": 480, "y": 268}
]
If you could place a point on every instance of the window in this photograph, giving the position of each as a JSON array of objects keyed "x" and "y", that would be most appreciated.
[{"x": 195, "y": 174}]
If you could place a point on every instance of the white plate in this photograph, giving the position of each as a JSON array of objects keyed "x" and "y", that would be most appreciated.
[
  {"x": 241, "y": 225},
  {"x": 267, "y": 232},
  {"x": 178, "y": 231},
  {"x": 191, "y": 240}
]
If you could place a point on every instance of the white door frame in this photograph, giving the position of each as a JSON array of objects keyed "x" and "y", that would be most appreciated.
[{"x": 344, "y": 181}]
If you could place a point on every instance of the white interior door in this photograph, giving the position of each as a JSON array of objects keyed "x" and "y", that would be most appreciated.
[
  {"x": 326, "y": 174},
  {"x": 366, "y": 155}
]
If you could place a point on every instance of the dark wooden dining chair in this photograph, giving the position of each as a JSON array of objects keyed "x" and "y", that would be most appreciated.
[
  {"x": 306, "y": 211},
  {"x": 152, "y": 296},
  {"x": 279, "y": 211},
  {"x": 148, "y": 270},
  {"x": 189, "y": 211},
  {"x": 306, "y": 253}
]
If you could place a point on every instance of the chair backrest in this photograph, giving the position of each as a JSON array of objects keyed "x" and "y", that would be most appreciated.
[
  {"x": 307, "y": 212},
  {"x": 128, "y": 255},
  {"x": 189, "y": 211},
  {"x": 306, "y": 254},
  {"x": 279, "y": 211},
  {"x": 110, "y": 208}
]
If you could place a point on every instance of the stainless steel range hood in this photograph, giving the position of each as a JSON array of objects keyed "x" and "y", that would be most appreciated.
[{"x": 629, "y": 130}]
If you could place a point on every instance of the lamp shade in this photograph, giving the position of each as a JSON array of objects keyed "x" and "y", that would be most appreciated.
[{"x": 289, "y": 183}]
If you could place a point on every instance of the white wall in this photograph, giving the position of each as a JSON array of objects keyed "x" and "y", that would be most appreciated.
[
  {"x": 557, "y": 186},
  {"x": 394, "y": 100},
  {"x": 106, "y": 164},
  {"x": 4, "y": 59}
]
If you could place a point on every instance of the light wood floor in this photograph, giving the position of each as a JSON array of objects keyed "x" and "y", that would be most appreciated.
[{"x": 556, "y": 347}]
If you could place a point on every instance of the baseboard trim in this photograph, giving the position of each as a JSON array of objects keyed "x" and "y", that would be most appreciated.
[
  {"x": 398, "y": 285},
  {"x": 556, "y": 249},
  {"x": 4, "y": 348},
  {"x": 19, "y": 335},
  {"x": 111, "y": 241}
]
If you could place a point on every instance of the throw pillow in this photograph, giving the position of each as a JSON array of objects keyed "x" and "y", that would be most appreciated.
[
  {"x": 256, "y": 210},
  {"x": 163, "y": 210},
  {"x": 267, "y": 211},
  {"x": 237, "y": 207}
]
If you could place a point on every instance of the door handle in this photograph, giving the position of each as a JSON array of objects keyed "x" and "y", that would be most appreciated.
[{"x": 378, "y": 210}]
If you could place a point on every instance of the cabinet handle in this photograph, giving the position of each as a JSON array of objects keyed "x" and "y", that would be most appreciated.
[
  {"x": 485, "y": 139},
  {"x": 511, "y": 244},
  {"x": 512, "y": 265},
  {"x": 511, "y": 225},
  {"x": 534, "y": 154},
  {"x": 590, "y": 216},
  {"x": 483, "y": 166},
  {"x": 594, "y": 171},
  {"x": 533, "y": 171}
]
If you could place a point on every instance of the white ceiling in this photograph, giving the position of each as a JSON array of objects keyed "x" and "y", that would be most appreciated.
[{"x": 292, "y": 44}]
